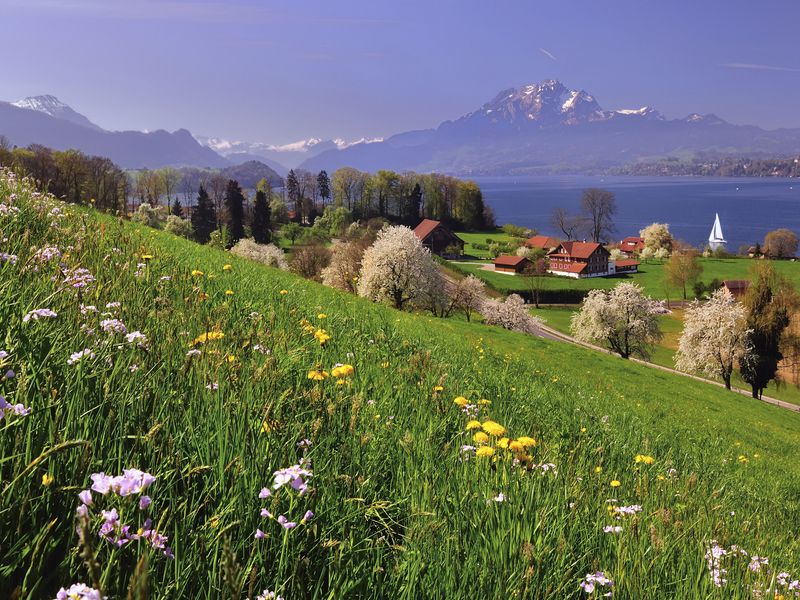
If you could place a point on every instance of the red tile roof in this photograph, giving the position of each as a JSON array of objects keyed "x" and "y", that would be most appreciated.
[
  {"x": 425, "y": 228},
  {"x": 542, "y": 241},
  {"x": 632, "y": 242},
  {"x": 627, "y": 263},
  {"x": 570, "y": 268},
  {"x": 577, "y": 249},
  {"x": 508, "y": 260}
]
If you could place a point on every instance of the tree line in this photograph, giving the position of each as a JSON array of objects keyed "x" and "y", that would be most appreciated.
[
  {"x": 402, "y": 198},
  {"x": 70, "y": 174}
]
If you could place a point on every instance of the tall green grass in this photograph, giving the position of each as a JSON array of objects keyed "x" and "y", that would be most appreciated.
[{"x": 401, "y": 511}]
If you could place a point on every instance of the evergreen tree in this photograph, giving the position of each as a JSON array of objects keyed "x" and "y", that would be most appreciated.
[
  {"x": 766, "y": 320},
  {"x": 413, "y": 206},
  {"x": 234, "y": 202},
  {"x": 261, "y": 215},
  {"x": 176, "y": 209},
  {"x": 324, "y": 187},
  {"x": 204, "y": 218},
  {"x": 293, "y": 193}
]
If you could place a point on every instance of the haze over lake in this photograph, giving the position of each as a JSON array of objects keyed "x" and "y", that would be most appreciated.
[{"x": 748, "y": 207}]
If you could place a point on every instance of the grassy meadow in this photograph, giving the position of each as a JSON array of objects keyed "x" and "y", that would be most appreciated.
[{"x": 454, "y": 460}]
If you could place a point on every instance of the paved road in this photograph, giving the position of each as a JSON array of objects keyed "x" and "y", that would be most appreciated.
[{"x": 553, "y": 334}]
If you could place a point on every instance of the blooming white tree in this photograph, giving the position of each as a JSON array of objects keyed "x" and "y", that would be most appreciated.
[
  {"x": 624, "y": 319},
  {"x": 397, "y": 269},
  {"x": 714, "y": 337},
  {"x": 467, "y": 295},
  {"x": 617, "y": 254},
  {"x": 268, "y": 254},
  {"x": 657, "y": 236},
  {"x": 661, "y": 254},
  {"x": 511, "y": 314}
]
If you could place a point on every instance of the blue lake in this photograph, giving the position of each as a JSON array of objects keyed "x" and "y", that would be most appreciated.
[{"x": 748, "y": 207}]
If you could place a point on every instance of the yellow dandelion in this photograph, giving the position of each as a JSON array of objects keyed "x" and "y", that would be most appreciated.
[
  {"x": 598, "y": 469},
  {"x": 197, "y": 273},
  {"x": 526, "y": 441},
  {"x": 147, "y": 256},
  {"x": 322, "y": 316},
  {"x": 229, "y": 292},
  {"x": 385, "y": 364},
  {"x": 283, "y": 292},
  {"x": 208, "y": 337},
  {"x": 516, "y": 446},
  {"x": 660, "y": 477},
  {"x": 317, "y": 375},
  {"x": 643, "y": 458},
  {"x": 480, "y": 438},
  {"x": 226, "y": 267},
  {"x": 322, "y": 336},
  {"x": 742, "y": 459},
  {"x": 473, "y": 425},
  {"x": 503, "y": 443},
  {"x": 615, "y": 483},
  {"x": 583, "y": 429},
  {"x": 47, "y": 479},
  {"x": 202, "y": 296},
  {"x": 460, "y": 401},
  {"x": 484, "y": 451},
  {"x": 493, "y": 428},
  {"x": 438, "y": 388},
  {"x": 342, "y": 371},
  {"x": 484, "y": 402},
  {"x": 230, "y": 358}
]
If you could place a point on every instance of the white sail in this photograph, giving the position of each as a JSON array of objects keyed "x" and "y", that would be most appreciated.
[{"x": 715, "y": 238}]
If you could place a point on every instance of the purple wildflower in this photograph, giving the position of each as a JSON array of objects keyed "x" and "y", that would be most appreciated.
[
  {"x": 15, "y": 409},
  {"x": 260, "y": 535},
  {"x": 8, "y": 258},
  {"x": 138, "y": 338},
  {"x": 86, "y": 497},
  {"x": 264, "y": 493},
  {"x": 294, "y": 476},
  {"x": 286, "y": 523},
  {"x": 268, "y": 595},
  {"x": 596, "y": 580},
  {"x": 79, "y": 591},
  {"x": 78, "y": 278},
  {"x": 307, "y": 517},
  {"x": 77, "y": 356},
  {"x": 144, "y": 502},
  {"x": 39, "y": 313},
  {"x": 113, "y": 326}
]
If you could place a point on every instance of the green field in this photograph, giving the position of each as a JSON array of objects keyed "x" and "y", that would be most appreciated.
[
  {"x": 650, "y": 277},
  {"x": 482, "y": 238},
  {"x": 664, "y": 353},
  {"x": 401, "y": 511}
]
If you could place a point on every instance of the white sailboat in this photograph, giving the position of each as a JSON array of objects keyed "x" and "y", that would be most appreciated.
[{"x": 715, "y": 238}]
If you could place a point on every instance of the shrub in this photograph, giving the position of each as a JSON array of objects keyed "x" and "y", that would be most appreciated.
[
  {"x": 267, "y": 254},
  {"x": 177, "y": 226},
  {"x": 512, "y": 314},
  {"x": 309, "y": 260},
  {"x": 345, "y": 265},
  {"x": 147, "y": 215}
]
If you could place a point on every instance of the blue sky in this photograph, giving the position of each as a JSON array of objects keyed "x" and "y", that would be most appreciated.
[{"x": 261, "y": 70}]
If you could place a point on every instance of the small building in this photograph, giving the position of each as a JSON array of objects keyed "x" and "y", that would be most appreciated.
[
  {"x": 631, "y": 245},
  {"x": 579, "y": 260},
  {"x": 737, "y": 287},
  {"x": 543, "y": 242},
  {"x": 625, "y": 266},
  {"x": 509, "y": 263},
  {"x": 438, "y": 238}
]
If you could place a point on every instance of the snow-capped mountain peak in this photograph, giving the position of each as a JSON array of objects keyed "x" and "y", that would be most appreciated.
[{"x": 50, "y": 105}]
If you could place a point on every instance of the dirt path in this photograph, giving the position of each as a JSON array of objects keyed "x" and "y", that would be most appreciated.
[{"x": 554, "y": 334}]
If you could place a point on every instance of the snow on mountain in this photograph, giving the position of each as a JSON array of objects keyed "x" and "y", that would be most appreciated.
[
  {"x": 287, "y": 155},
  {"x": 50, "y": 105}
]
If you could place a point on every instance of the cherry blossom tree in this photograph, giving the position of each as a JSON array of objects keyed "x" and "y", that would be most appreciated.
[
  {"x": 714, "y": 337},
  {"x": 623, "y": 319},
  {"x": 397, "y": 269},
  {"x": 511, "y": 314}
]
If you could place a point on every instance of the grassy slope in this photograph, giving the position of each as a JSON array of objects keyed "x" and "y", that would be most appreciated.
[
  {"x": 650, "y": 277},
  {"x": 664, "y": 354},
  {"x": 481, "y": 237},
  {"x": 398, "y": 514}
]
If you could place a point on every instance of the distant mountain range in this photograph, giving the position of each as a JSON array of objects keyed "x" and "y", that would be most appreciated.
[
  {"x": 537, "y": 128},
  {"x": 47, "y": 121},
  {"x": 547, "y": 127},
  {"x": 279, "y": 157}
]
